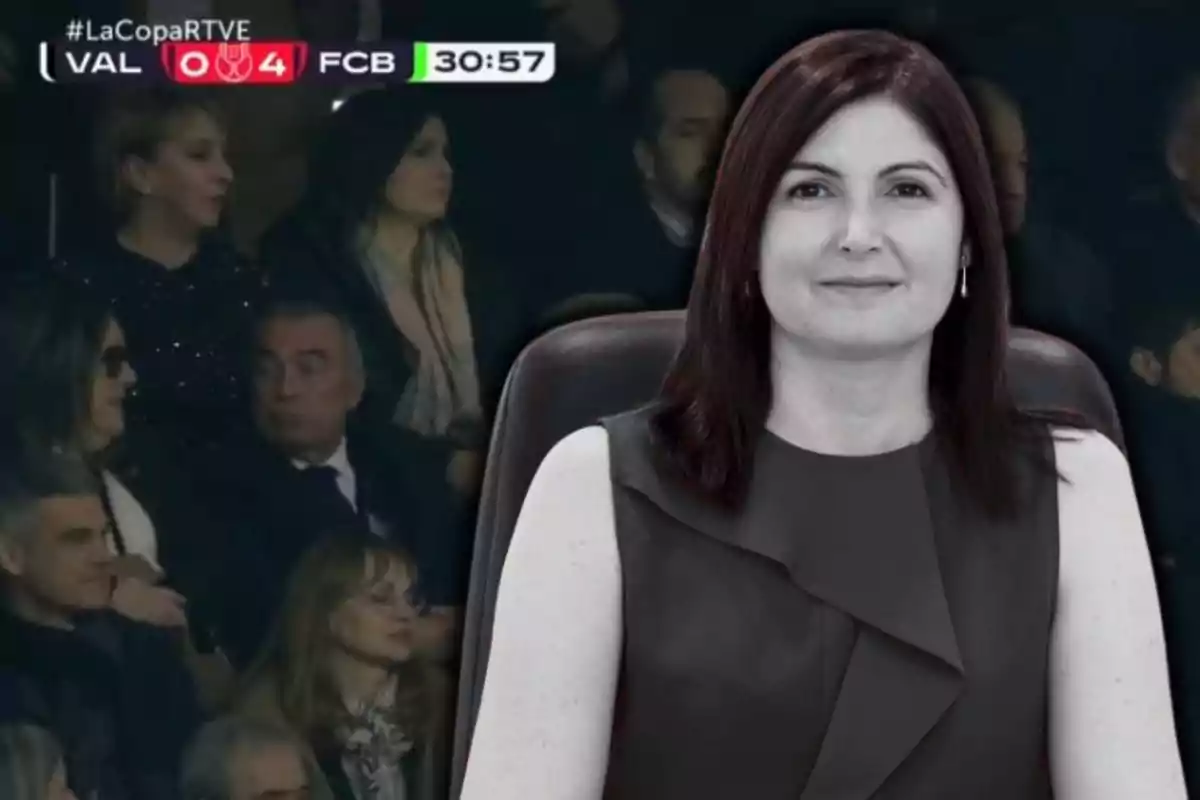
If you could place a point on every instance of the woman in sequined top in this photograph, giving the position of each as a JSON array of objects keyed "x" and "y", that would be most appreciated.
[{"x": 181, "y": 292}]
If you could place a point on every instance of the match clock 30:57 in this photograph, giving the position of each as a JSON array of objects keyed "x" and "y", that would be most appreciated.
[{"x": 482, "y": 62}]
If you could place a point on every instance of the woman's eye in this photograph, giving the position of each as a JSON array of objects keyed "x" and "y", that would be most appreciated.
[
  {"x": 909, "y": 189},
  {"x": 808, "y": 190}
]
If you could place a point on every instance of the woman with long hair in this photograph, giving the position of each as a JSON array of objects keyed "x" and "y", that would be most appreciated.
[
  {"x": 65, "y": 387},
  {"x": 373, "y": 230},
  {"x": 833, "y": 559},
  {"x": 345, "y": 669}
]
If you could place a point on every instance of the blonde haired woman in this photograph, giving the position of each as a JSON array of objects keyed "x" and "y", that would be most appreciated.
[
  {"x": 165, "y": 268},
  {"x": 347, "y": 670}
]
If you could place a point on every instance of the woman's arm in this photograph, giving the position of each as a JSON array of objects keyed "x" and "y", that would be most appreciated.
[
  {"x": 1112, "y": 728},
  {"x": 545, "y": 720}
]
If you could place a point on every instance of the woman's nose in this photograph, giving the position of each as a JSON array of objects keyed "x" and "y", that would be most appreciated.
[
  {"x": 405, "y": 611},
  {"x": 224, "y": 170},
  {"x": 860, "y": 231}
]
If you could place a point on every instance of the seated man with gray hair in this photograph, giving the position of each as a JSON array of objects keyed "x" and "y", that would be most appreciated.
[
  {"x": 113, "y": 692},
  {"x": 243, "y": 758},
  {"x": 313, "y": 467}
]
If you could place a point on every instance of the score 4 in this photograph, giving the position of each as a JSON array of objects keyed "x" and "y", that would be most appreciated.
[{"x": 208, "y": 63}]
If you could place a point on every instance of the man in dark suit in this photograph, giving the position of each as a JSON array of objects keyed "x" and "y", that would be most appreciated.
[
  {"x": 115, "y": 693},
  {"x": 310, "y": 472},
  {"x": 646, "y": 256},
  {"x": 679, "y": 124}
]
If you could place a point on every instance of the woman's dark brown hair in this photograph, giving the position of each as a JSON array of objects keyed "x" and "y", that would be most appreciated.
[
  {"x": 717, "y": 394},
  {"x": 51, "y": 334}
]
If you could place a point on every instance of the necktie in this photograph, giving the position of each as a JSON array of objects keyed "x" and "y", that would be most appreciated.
[
  {"x": 321, "y": 478},
  {"x": 320, "y": 509},
  {"x": 320, "y": 482}
]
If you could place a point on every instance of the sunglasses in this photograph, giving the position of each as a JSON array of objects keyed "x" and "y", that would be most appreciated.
[{"x": 113, "y": 360}]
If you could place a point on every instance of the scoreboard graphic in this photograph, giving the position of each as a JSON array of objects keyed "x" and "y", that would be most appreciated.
[
  {"x": 284, "y": 62},
  {"x": 239, "y": 62}
]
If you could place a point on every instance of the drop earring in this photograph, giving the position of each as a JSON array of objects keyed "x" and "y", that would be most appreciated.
[{"x": 964, "y": 261}]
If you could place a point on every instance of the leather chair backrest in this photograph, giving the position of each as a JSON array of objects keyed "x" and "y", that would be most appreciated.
[{"x": 574, "y": 375}]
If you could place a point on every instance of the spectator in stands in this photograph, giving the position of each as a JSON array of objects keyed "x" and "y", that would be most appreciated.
[
  {"x": 181, "y": 293},
  {"x": 372, "y": 232},
  {"x": 1166, "y": 411},
  {"x": 1183, "y": 144},
  {"x": 678, "y": 120},
  {"x": 31, "y": 765},
  {"x": 1170, "y": 357},
  {"x": 1165, "y": 455},
  {"x": 346, "y": 671},
  {"x": 112, "y": 691},
  {"x": 1160, "y": 289},
  {"x": 241, "y": 758},
  {"x": 1060, "y": 286},
  {"x": 680, "y": 125},
  {"x": 562, "y": 150},
  {"x": 310, "y": 470},
  {"x": 1160, "y": 232},
  {"x": 1159, "y": 247},
  {"x": 64, "y": 389},
  {"x": 1165, "y": 406},
  {"x": 588, "y": 33}
]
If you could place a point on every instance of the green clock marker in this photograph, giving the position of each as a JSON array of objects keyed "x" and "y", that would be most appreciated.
[{"x": 420, "y": 62}]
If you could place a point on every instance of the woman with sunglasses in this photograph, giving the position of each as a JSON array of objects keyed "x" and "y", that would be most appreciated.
[{"x": 64, "y": 383}]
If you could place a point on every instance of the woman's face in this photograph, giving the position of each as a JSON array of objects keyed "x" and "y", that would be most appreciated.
[
  {"x": 419, "y": 187},
  {"x": 862, "y": 241},
  {"x": 189, "y": 178},
  {"x": 112, "y": 379},
  {"x": 58, "y": 790},
  {"x": 375, "y": 624}
]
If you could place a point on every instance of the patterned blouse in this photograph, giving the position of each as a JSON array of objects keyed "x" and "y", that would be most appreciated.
[{"x": 378, "y": 757}]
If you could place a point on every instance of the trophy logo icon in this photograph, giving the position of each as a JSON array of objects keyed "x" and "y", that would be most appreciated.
[{"x": 233, "y": 63}]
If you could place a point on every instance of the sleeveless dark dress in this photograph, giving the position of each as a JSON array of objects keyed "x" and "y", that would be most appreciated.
[{"x": 854, "y": 632}]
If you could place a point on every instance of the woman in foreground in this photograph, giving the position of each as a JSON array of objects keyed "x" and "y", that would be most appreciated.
[{"x": 833, "y": 560}]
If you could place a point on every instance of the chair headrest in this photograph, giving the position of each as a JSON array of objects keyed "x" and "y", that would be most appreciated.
[{"x": 573, "y": 375}]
